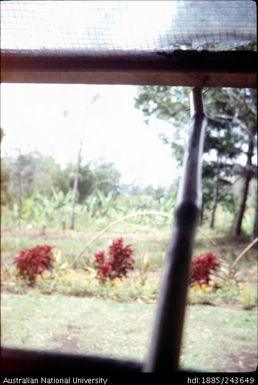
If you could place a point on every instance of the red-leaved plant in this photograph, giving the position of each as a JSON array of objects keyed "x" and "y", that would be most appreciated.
[
  {"x": 202, "y": 267},
  {"x": 116, "y": 263},
  {"x": 33, "y": 261}
]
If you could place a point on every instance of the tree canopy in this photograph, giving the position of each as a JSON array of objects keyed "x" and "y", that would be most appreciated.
[{"x": 230, "y": 135}]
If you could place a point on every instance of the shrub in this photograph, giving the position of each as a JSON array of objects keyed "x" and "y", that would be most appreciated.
[
  {"x": 228, "y": 293},
  {"x": 33, "y": 261},
  {"x": 116, "y": 263},
  {"x": 248, "y": 297},
  {"x": 202, "y": 267}
]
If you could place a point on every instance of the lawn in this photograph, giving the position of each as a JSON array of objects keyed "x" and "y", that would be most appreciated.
[
  {"x": 145, "y": 240},
  {"x": 215, "y": 338}
]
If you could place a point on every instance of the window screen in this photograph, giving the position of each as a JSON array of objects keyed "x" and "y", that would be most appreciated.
[{"x": 116, "y": 26}]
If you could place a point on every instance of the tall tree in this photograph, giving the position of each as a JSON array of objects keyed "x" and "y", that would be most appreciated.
[
  {"x": 238, "y": 112},
  {"x": 222, "y": 148},
  {"x": 225, "y": 136},
  {"x": 246, "y": 117}
]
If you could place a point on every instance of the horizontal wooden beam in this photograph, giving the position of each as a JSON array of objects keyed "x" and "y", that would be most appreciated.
[{"x": 178, "y": 68}]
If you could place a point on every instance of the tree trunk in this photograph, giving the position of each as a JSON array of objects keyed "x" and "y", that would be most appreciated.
[
  {"x": 201, "y": 214},
  {"x": 255, "y": 226},
  {"x": 214, "y": 202},
  {"x": 75, "y": 188},
  {"x": 237, "y": 228}
]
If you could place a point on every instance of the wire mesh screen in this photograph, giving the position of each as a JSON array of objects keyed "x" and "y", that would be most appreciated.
[{"x": 117, "y": 26}]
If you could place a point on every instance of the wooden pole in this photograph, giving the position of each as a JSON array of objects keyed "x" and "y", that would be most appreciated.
[{"x": 166, "y": 341}]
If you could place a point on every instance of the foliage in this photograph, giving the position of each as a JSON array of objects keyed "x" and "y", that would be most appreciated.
[
  {"x": 205, "y": 294},
  {"x": 116, "y": 263},
  {"x": 202, "y": 267},
  {"x": 231, "y": 128},
  {"x": 106, "y": 178},
  {"x": 140, "y": 285},
  {"x": 32, "y": 172},
  {"x": 85, "y": 184},
  {"x": 228, "y": 293},
  {"x": 1, "y": 134},
  {"x": 144, "y": 267},
  {"x": 33, "y": 261},
  {"x": 93, "y": 177},
  {"x": 100, "y": 205},
  {"x": 5, "y": 179},
  {"x": 234, "y": 119},
  {"x": 170, "y": 104},
  {"x": 248, "y": 297},
  {"x": 201, "y": 295},
  {"x": 224, "y": 286},
  {"x": 83, "y": 283}
]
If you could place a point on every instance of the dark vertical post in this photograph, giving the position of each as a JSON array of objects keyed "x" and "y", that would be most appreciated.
[{"x": 167, "y": 335}]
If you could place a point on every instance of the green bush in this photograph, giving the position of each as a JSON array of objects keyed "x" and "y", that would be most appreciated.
[{"x": 248, "y": 297}]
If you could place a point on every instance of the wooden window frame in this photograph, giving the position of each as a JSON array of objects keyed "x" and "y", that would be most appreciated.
[{"x": 180, "y": 68}]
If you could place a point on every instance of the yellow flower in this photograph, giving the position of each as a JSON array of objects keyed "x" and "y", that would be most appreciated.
[{"x": 116, "y": 281}]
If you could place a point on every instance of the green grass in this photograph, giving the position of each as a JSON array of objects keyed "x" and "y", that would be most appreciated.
[
  {"x": 215, "y": 339},
  {"x": 220, "y": 339},
  {"x": 144, "y": 240},
  {"x": 91, "y": 326}
]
